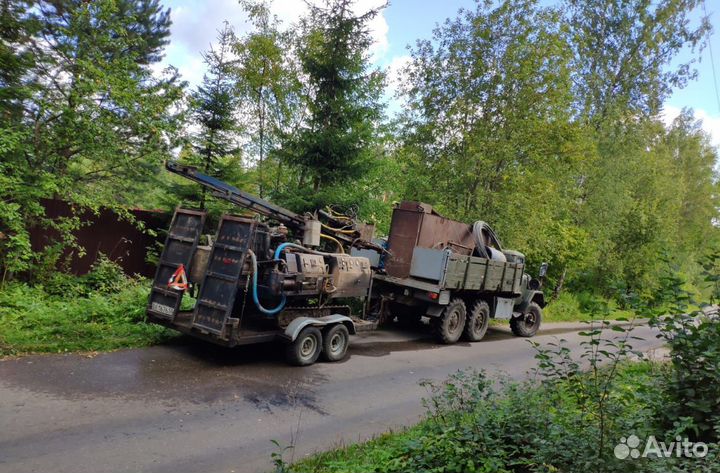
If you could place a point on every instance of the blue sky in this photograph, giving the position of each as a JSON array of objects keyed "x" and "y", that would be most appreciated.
[{"x": 195, "y": 24}]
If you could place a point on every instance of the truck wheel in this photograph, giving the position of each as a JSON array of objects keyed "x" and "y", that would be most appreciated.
[
  {"x": 306, "y": 348},
  {"x": 528, "y": 323},
  {"x": 335, "y": 343},
  {"x": 477, "y": 322},
  {"x": 450, "y": 324}
]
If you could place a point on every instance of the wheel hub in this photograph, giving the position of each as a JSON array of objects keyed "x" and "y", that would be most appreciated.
[
  {"x": 336, "y": 343},
  {"x": 308, "y": 347},
  {"x": 453, "y": 321}
]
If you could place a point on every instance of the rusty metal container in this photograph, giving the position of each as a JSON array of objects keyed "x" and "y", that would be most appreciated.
[{"x": 415, "y": 224}]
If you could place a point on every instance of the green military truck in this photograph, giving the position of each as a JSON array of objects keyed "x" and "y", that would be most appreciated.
[{"x": 457, "y": 275}]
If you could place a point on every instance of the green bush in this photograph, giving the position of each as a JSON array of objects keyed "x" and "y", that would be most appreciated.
[
  {"x": 565, "y": 307},
  {"x": 583, "y": 306},
  {"x": 476, "y": 425},
  {"x": 692, "y": 387},
  {"x": 100, "y": 311}
]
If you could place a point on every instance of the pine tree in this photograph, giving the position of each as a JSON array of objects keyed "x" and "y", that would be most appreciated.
[
  {"x": 335, "y": 145},
  {"x": 92, "y": 121},
  {"x": 214, "y": 105}
]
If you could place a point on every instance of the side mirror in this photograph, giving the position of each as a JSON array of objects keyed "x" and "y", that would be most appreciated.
[{"x": 543, "y": 270}]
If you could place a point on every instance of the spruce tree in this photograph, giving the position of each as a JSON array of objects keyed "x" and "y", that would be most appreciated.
[
  {"x": 335, "y": 145},
  {"x": 214, "y": 104}
]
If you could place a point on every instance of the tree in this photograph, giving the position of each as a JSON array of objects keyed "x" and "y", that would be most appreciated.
[
  {"x": 19, "y": 187},
  {"x": 620, "y": 79},
  {"x": 214, "y": 106},
  {"x": 267, "y": 81},
  {"x": 488, "y": 130},
  {"x": 624, "y": 52},
  {"x": 694, "y": 159},
  {"x": 102, "y": 121},
  {"x": 334, "y": 145},
  {"x": 98, "y": 123}
]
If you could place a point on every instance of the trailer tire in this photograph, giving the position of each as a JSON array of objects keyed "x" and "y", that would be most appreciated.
[
  {"x": 336, "y": 340},
  {"x": 528, "y": 323},
  {"x": 449, "y": 326},
  {"x": 477, "y": 322},
  {"x": 306, "y": 348}
]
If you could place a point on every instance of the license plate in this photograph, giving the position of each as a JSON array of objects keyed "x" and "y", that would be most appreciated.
[{"x": 162, "y": 309}]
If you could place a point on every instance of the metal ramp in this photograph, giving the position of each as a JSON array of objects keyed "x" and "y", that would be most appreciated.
[
  {"x": 180, "y": 246},
  {"x": 215, "y": 301}
]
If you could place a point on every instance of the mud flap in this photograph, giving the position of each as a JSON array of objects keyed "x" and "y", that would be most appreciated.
[
  {"x": 180, "y": 246},
  {"x": 215, "y": 301}
]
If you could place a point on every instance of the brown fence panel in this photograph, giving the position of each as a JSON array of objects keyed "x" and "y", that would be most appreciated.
[{"x": 106, "y": 233}]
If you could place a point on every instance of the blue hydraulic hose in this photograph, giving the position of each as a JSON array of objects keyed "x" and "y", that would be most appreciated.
[
  {"x": 280, "y": 249},
  {"x": 256, "y": 300}
]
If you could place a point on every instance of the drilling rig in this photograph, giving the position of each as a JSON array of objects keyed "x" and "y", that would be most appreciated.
[{"x": 277, "y": 275}]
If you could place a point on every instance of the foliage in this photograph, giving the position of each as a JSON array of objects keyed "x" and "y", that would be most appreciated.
[
  {"x": 474, "y": 424},
  {"x": 91, "y": 122},
  {"x": 629, "y": 69},
  {"x": 334, "y": 145},
  {"x": 268, "y": 85},
  {"x": 214, "y": 146},
  {"x": 523, "y": 116},
  {"x": 579, "y": 307},
  {"x": 102, "y": 310},
  {"x": 693, "y": 406}
]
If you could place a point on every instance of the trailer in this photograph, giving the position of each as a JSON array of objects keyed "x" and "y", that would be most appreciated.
[{"x": 279, "y": 276}]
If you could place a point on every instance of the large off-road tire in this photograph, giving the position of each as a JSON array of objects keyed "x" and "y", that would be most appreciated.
[
  {"x": 306, "y": 348},
  {"x": 527, "y": 324},
  {"x": 449, "y": 326},
  {"x": 336, "y": 340},
  {"x": 477, "y": 322}
]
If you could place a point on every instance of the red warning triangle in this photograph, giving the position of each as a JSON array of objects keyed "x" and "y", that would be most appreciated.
[{"x": 179, "y": 279}]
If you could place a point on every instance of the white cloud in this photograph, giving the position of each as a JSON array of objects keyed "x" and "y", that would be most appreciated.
[
  {"x": 195, "y": 25},
  {"x": 710, "y": 123},
  {"x": 395, "y": 72},
  {"x": 395, "y": 76}
]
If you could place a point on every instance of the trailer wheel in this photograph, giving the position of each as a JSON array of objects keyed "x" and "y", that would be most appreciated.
[
  {"x": 449, "y": 326},
  {"x": 306, "y": 348},
  {"x": 528, "y": 323},
  {"x": 335, "y": 343},
  {"x": 477, "y": 322}
]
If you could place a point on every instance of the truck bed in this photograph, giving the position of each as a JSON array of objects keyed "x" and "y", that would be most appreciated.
[{"x": 437, "y": 270}]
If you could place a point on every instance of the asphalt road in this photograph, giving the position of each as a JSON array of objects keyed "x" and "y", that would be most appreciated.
[{"x": 190, "y": 407}]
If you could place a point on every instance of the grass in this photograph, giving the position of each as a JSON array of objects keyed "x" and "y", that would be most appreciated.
[
  {"x": 76, "y": 314},
  {"x": 575, "y": 308}
]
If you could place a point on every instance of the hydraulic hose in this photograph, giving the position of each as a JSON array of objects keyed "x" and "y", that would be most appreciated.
[
  {"x": 279, "y": 250},
  {"x": 256, "y": 300},
  {"x": 334, "y": 240}
]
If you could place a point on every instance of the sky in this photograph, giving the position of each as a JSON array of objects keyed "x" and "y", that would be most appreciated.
[{"x": 195, "y": 25}]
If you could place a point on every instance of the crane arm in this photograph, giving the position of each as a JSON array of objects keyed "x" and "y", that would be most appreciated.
[{"x": 235, "y": 196}]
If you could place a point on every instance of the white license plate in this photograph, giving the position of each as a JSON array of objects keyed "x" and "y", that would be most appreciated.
[{"x": 163, "y": 309}]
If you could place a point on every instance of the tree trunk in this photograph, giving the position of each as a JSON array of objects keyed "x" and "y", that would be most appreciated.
[{"x": 559, "y": 285}]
